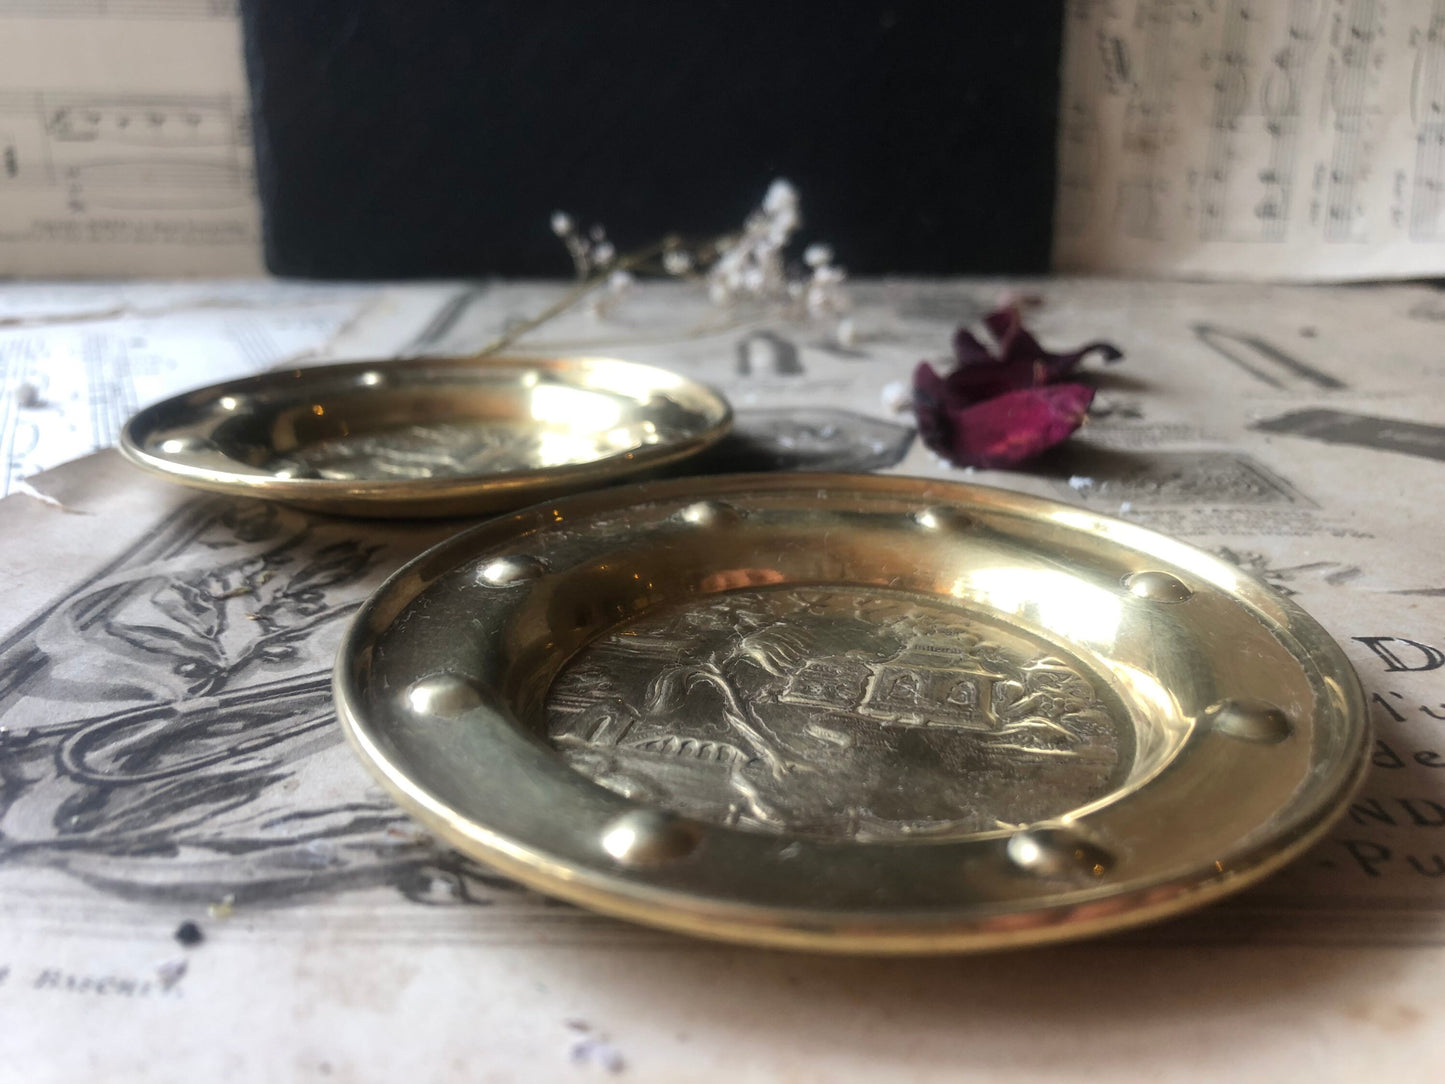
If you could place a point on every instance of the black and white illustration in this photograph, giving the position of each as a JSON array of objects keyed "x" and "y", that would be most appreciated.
[
  {"x": 804, "y": 438},
  {"x": 1361, "y": 431},
  {"x": 168, "y": 730},
  {"x": 1164, "y": 478}
]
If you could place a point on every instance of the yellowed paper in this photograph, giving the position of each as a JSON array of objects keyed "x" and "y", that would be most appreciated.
[
  {"x": 1253, "y": 139},
  {"x": 125, "y": 144}
]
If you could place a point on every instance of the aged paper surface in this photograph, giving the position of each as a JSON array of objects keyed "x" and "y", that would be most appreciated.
[
  {"x": 168, "y": 751},
  {"x": 125, "y": 144},
  {"x": 1256, "y": 139},
  {"x": 76, "y": 360}
]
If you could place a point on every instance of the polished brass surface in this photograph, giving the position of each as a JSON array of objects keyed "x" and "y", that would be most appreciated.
[
  {"x": 852, "y": 713},
  {"x": 427, "y": 436}
]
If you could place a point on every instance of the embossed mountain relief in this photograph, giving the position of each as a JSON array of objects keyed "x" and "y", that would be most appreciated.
[{"x": 840, "y": 713}]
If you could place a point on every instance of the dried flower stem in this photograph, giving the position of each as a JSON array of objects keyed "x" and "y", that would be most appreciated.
[
  {"x": 630, "y": 262},
  {"x": 747, "y": 266}
]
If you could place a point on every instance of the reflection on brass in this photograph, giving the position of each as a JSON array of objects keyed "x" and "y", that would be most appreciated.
[
  {"x": 1158, "y": 586},
  {"x": 445, "y": 450},
  {"x": 1249, "y": 719},
  {"x": 429, "y": 436},
  {"x": 852, "y": 713}
]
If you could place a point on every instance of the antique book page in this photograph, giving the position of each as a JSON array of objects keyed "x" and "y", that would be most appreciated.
[
  {"x": 169, "y": 753},
  {"x": 1301, "y": 139}
]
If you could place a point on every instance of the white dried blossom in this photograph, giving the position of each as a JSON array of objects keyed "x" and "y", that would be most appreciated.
[
  {"x": 718, "y": 292},
  {"x": 619, "y": 283},
  {"x": 781, "y": 198},
  {"x": 749, "y": 266},
  {"x": 590, "y": 252},
  {"x": 824, "y": 295},
  {"x": 896, "y": 396}
]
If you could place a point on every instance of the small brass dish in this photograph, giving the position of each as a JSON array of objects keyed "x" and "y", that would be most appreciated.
[
  {"x": 852, "y": 713},
  {"x": 427, "y": 436}
]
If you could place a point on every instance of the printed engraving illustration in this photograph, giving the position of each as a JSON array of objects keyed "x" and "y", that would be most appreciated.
[
  {"x": 804, "y": 439},
  {"x": 1360, "y": 430},
  {"x": 1286, "y": 578},
  {"x": 168, "y": 731},
  {"x": 1263, "y": 360},
  {"x": 838, "y": 713},
  {"x": 766, "y": 353},
  {"x": 1188, "y": 478}
]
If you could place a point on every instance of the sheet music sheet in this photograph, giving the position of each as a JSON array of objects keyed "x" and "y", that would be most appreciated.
[
  {"x": 168, "y": 750},
  {"x": 125, "y": 144},
  {"x": 1253, "y": 139},
  {"x": 1264, "y": 139}
]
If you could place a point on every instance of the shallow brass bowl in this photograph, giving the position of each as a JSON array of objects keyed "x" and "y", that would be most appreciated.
[
  {"x": 852, "y": 713},
  {"x": 427, "y": 436}
]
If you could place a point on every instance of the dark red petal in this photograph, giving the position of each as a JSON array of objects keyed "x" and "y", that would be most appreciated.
[
  {"x": 967, "y": 350},
  {"x": 1059, "y": 366},
  {"x": 1015, "y": 343},
  {"x": 1010, "y": 429},
  {"x": 979, "y": 382},
  {"x": 930, "y": 406}
]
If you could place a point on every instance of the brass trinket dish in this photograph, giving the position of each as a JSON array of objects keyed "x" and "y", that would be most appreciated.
[
  {"x": 852, "y": 713},
  {"x": 427, "y": 436}
]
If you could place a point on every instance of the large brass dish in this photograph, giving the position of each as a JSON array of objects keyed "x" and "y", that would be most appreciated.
[
  {"x": 852, "y": 713},
  {"x": 427, "y": 436}
]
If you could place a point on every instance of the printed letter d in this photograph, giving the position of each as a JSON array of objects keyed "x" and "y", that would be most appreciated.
[{"x": 1417, "y": 656}]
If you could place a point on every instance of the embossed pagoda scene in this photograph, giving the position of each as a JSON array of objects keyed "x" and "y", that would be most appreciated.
[{"x": 837, "y": 714}]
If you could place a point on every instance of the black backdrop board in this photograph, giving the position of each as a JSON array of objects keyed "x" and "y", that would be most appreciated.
[{"x": 436, "y": 137}]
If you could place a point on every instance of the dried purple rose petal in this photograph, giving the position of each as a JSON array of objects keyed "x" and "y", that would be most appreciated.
[
  {"x": 930, "y": 408},
  {"x": 1000, "y": 407},
  {"x": 1027, "y": 362},
  {"x": 975, "y": 383},
  {"x": 968, "y": 351},
  {"x": 1003, "y": 431}
]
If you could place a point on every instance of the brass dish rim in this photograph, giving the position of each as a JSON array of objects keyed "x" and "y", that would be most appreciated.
[
  {"x": 436, "y": 496},
  {"x": 1059, "y": 912}
]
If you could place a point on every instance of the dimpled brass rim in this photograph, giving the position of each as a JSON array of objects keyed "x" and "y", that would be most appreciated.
[
  {"x": 192, "y": 438},
  {"x": 1243, "y": 779}
]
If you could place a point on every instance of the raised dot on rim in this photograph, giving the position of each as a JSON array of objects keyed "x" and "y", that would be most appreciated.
[
  {"x": 1156, "y": 586},
  {"x": 709, "y": 514},
  {"x": 941, "y": 518},
  {"x": 186, "y": 445},
  {"x": 1248, "y": 719},
  {"x": 1058, "y": 852},
  {"x": 647, "y": 837},
  {"x": 506, "y": 571},
  {"x": 443, "y": 695}
]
